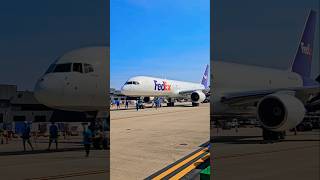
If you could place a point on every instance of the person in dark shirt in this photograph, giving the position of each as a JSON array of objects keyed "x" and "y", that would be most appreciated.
[
  {"x": 118, "y": 104},
  {"x": 53, "y": 135},
  {"x": 137, "y": 105},
  {"x": 127, "y": 104},
  {"x": 87, "y": 139},
  {"x": 26, "y": 136}
]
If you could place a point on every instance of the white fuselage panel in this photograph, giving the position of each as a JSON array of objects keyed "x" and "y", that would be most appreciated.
[{"x": 152, "y": 86}]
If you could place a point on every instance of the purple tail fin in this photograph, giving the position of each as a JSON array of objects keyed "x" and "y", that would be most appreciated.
[
  {"x": 303, "y": 59},
  {"x": 205, "y": 77}
]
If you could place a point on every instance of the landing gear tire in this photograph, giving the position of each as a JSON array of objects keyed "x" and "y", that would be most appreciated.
[
  {"x": 272, "y": 136},
  {"x": 282, "y": 135},
  {"x": 170, "y": 104},
  {"x": 195, "y": 104}
]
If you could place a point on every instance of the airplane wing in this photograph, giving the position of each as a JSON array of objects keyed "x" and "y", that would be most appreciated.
[
  {"x": 250, "y": 98},
  {"x": 185, "y": 93}
]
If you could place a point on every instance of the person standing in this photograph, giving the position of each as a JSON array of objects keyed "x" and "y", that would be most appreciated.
[
  {"x": 5, "y": 133},
  {"x": 87, "y": 139},
  {"x": 53, "y": 136},
  {"x": 118, "y": 104},
  {"x": 157, "y": 103},
  {"x": 127, "y": 104},
  {"x": 137, "y": 105},
  {"x": 26, "y": 135},
  {"x": 1, "y": 135}
]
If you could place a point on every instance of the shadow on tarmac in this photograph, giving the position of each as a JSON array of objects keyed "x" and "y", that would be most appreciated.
[
  {"x": 247, "y": 140},
  {"x": 148, "y": 107},
  {"x": 41, "y": 151}
]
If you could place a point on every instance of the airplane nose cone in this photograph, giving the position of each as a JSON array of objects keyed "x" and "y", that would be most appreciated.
[
  {"x": 46, "y": 91},
  {"x": 123, "y": 90},
  {"x": 40, "y": 90},
  {"x": 126, "y": 90}
]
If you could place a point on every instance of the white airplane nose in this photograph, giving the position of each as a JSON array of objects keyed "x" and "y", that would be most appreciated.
[
  {"x": 125, "y": 90},
  {"x": 47, "y": 92},
  {"x": 40, "y": 91}
]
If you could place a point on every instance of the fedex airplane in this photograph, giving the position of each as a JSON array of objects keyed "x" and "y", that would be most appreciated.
[
  {"x": 277, "y": 98},
  {"x": 150, "y": 87}
]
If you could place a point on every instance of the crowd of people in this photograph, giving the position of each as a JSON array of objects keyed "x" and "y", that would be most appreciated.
[
  {"x": 116, "y": 104},
  {"x": 94, "y": 135}
]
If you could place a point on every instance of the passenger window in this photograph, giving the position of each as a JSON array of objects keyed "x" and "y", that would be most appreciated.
[
  {"x": 77, "y": 67},
  {"x": 88, "y": 68},
  {"x": 63, "y": 67}
]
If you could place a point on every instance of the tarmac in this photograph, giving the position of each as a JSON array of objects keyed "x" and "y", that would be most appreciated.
[
  {"x": 153, "y": 142},
  {"x": 147, "y": 141},
  {"x": 243, "y": 155},
  {"x": 68, "y": 162}
]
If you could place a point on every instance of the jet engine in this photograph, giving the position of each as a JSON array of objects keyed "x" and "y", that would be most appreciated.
[
  {"x": 280, "y": 112},
  {"x": 197, "y": 97},
  {"x": 147, "y": 99}
]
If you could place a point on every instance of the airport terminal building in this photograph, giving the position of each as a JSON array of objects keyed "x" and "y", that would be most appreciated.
[
  {"x": 21, "y": 106},
  {"x": 17, "y": 106},
  {"x": 116, "y": 95}
]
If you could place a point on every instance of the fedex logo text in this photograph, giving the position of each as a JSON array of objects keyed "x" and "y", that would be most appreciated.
[
  {"x": 161, "y": 87},
  {"x": 306, "y": 49}
]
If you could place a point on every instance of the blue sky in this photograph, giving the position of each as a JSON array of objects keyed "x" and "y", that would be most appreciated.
[
  {"x": 169, "y": 39},
  {"x": 34, "y": 33},
  {"x": 264, "y": 33},
  {"x": 149, "y": 37}
]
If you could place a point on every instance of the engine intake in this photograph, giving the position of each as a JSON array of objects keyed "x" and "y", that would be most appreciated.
[
  {"x": 148, "y": 99},
  {"x": 279, "y": 112},
  {"x": 198, "y": 96}
]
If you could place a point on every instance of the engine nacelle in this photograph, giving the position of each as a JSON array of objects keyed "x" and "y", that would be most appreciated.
[
  {"x": 147, "y": 99},
  {"x": 280, "y": 112},
  {"x": 197, "y": 96}
]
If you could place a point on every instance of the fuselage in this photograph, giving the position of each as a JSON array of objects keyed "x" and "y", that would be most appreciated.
[
  {"x": 151, "y": 86},
  {"x": 231, "y": 77},
  {"x": 236, "y": 78},
  {"x": 71, "y": 88}
]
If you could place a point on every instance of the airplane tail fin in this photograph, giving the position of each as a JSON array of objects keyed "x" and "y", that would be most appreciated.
[
  {"x": 303, "y": 59},
  {"x": 205, "y": 77}
]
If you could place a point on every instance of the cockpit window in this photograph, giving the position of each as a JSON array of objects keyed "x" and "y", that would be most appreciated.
[
  {"x": 51, "y": 68},
  {"x": 77, "y": 67},
  {"x": 66, "y": 67},
  {"x": 88, "y": 68},
  {"x": 132, "y": 82}
]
